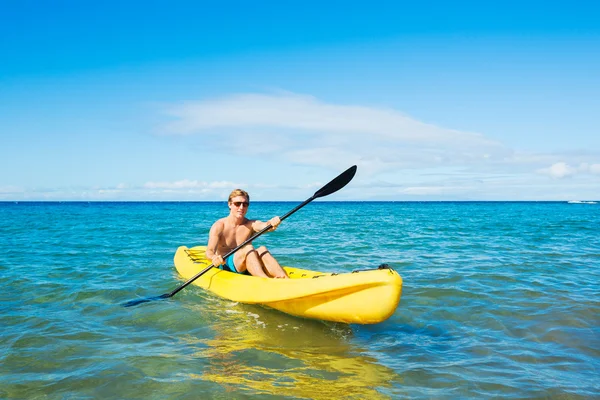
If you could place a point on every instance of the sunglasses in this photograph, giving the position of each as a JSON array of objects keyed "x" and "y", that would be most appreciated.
[{"x": 240, "y": 203}]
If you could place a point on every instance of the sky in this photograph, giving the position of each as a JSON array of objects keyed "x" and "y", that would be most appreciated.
[{"x": 188, "y": 100}]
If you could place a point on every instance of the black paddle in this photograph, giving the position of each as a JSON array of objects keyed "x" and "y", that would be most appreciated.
[{"x": 342, "y": 180}]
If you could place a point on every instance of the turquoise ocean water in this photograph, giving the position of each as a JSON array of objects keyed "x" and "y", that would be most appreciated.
[{"x": 499, "y": 300}]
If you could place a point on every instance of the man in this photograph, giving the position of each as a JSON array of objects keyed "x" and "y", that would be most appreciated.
[{"x": 229, "y": 232}]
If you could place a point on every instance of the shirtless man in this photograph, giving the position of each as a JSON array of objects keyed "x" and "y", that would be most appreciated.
[{"x": 227, "y": 233}]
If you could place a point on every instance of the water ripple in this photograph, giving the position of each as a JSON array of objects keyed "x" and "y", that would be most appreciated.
[{"x": 499, "y": 300}]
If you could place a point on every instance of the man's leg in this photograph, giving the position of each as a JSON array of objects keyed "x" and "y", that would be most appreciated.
[
  {"x": 270, "y": 263},
  {"x": 247, "y": 259}
]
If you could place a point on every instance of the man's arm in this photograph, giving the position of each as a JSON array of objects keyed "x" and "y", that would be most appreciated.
[
  {"x": 258, "y": 226},
  {"x": 213, "y": 242}
]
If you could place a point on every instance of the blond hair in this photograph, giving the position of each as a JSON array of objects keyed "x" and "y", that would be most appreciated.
[{"x": 239, "y": 192}]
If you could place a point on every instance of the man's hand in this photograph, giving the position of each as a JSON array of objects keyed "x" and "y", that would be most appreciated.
[
  {"x": 274, "y": 222},
  {"x": 218, "y": 260}
]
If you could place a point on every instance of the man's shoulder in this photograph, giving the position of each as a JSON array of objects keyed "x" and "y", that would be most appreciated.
[{"x": 219, "y": 224}]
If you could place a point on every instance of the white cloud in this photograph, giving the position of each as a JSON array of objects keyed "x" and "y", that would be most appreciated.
[
  {"x": 9, "y": 190},
  {"x": 558, "y": 170},
  {"x": 562, "y": 169},
  {"x": 188, "y": 184},
  {"x": 590, "y": 168},
  {"x": 398, "y": 156},
  {"x": 386, "y": 144},
  {"x": 307, "y": 131},
  {"x": 301, "y": 112},
  {"x": 425, "y": 190}
]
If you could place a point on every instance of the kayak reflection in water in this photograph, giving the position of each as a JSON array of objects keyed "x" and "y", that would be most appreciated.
[{"x": 229, "y": 232}]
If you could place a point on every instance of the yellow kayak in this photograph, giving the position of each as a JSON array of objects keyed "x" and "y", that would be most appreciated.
[{"x": 360, "y": 297}]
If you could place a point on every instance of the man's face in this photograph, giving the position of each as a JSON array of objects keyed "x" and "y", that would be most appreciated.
[{"x": 239, "y": 206}]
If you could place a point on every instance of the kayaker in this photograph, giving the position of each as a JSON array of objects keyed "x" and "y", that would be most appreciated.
[{"x": 227, "y": 233}]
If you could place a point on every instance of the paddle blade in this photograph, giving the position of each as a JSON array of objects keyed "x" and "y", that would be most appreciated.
[
  {"x": 336, "y": 184},
  {"x": 137, "y": 302}
]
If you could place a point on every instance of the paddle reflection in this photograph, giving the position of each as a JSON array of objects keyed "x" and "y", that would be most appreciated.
[{"x": 263, "y": 351}]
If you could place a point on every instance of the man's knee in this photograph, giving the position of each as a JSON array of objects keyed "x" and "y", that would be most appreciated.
[
  {"x": 246, "y": 249},
  {"x": 262, "y": 250},
  {"x": 245, "y": 252}
]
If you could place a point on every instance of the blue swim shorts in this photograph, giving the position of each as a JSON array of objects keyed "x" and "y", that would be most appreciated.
[{"x": 230, "y": 266}]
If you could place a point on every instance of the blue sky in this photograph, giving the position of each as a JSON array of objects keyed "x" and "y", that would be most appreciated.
[{"x": 187, "y": 100}]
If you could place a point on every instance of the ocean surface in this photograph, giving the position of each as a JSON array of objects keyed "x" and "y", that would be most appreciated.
[{"x": 499, "y": 299}]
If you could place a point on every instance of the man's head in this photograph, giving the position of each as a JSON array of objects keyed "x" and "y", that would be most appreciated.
[
  {"x": 239, "y": 192},
  {"x": 239, "y": 200}
]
